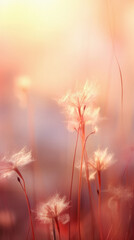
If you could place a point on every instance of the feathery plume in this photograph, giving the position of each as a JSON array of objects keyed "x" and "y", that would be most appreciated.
[
  {"x": 79, "y": 107},
  {"x": 119, "y": 193},
  {"x": 8, "y": 166},
  {"x": 101, "y": 161},
  {"x": 17, "y": 160},
  {"x": 53, "y": 209},
  {"x": 91, "y": 171}
]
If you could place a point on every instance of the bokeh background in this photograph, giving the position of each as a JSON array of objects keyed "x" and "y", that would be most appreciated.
[{"x": 58, "y": 45}]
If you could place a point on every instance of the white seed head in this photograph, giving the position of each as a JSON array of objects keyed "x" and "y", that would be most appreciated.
[
  {"x": 79, "y": 107},
  {"x": 101, "y": 160},
  {"x": 17, "y": 160},
  {"x": 54, "y": 208}
]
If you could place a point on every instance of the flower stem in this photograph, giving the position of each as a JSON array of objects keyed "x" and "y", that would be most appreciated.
[
  {"x": 90, "y": 193},
  {"x": 88, "y": 183},
  {"x": 111, "y": 28},
  {"x": 27, "y": 200},
  {"x": 80, "y": 181},
  {"x": 99, "y": 204},
  {"x": 58, "y": 227},
  {"x": 109, "y": 232},
  {"x": 71, "y": 186},
  {"x": 32, "y": 142},
  {"x": 54, "y": 233},
  {"x": 83, "y": 157},
  {"x": 86, "y": 165}
]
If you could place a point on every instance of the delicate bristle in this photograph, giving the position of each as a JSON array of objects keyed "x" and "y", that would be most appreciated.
[{"x": 55, "y": 207}]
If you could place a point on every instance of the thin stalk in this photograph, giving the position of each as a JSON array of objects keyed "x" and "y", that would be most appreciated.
[
  {"x": 86, "y": 165},
  {"x": 111, "y": 28},
  {"x": 27, "y": 200},
  {"x": 99, "y": 204},
  {"x": 72, "y": 177},
  {"x": 84, "y": 140},
  {"x": 80, "y": 182},
  {"x": 90, "y": 194},
  {"x": 32, "y": 141},
  {"x": 121, "y": 81},
  {"x": 87, "y": 176},
  {"x": 28, "y": 229},
  {"x": 58, "y": 227},
  {"x": 110, "y": 230},
  {"x": 54, "y": 233}
]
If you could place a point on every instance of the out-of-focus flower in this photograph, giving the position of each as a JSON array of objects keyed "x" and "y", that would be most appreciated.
[
  {"x": 95, "y": 129},
  {"x": 91, "y": 171},
  {"x": 118, "y": 193},
  {"x": 7, "y": 219},
  {"x": 53, "y": 209},
  {"x": 23, "y": 85},
  {"x": 101, "y": 161},
  {"x": 79, "y": 107},
  {"x": 17, "y": 160}
]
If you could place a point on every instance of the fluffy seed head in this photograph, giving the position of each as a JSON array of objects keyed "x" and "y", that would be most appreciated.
[
  {"x": 17, "y": 160},
  {"x": 91, "y": 171},
  {"x": 117, "y": 194},
  {"x": 79, "y": 107},
  {"x": 102, "y": 160},
  {"x": 52, "y": 209}
]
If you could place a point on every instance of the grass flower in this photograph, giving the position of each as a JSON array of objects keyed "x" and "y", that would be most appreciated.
[
  {"x": 53, "y": 212},
  {"x": 23, "y": 85},
  {"x": 102, "y": 160},
  {"x": 79, "y": 107},
  {"x": 52, "y": 209},
  {"x": 16, "y": 161},
  {"x": 119, "y": 194},
  {"x": 80, "y": 111},
  {"x": 91, "y": 171},
  {"x": 8, "y": 166}
]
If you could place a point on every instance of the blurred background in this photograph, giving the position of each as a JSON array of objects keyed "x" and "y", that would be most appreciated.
[{"x": 57, "y": 45}]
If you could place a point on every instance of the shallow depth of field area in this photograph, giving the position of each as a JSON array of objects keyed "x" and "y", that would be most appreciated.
[{"x": 66, "y": 120}]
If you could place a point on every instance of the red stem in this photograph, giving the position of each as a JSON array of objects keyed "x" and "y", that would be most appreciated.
[
  {"x": 27, "y": 200},
  {"x": 90, "y": 193},
  {"x": 71, "y": 186},
  {"x": 88, "y": 182},
  {"x": 80, "y": 182},
  {"x": 109, "y": 232},
  {"x": 99, "y": 205},
  {"x": 58, "y": 227},
  {"x": 32, "y": 141},
  {"x": 54, "y": 233},
  {"x": 84, "y": 140},
  {"x": 86, "y": 165},
  {"x": 117, "y": 61}
]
